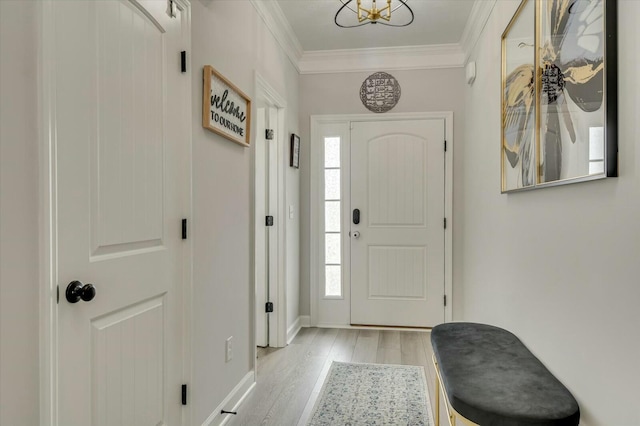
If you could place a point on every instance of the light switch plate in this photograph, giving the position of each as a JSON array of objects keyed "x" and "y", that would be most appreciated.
[{"x": 229, "y": 349}]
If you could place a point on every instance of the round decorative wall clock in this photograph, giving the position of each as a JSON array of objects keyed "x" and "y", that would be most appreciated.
[{"x": 380, "y": 92}]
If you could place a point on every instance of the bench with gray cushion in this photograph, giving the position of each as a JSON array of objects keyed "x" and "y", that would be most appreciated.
[{"x": 490, "y": 378}]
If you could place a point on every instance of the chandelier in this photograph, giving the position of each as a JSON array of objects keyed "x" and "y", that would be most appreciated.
[{"x": 373, "y": 15}]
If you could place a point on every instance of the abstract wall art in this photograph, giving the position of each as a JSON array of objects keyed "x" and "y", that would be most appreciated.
[{"x": 559, "y": 93}]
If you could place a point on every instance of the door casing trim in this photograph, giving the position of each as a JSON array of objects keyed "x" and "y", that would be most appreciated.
[
  {"x": 48, "y": 207},
  {"x": 316, "y": 121},
  {"x": 264, "y": 92}
]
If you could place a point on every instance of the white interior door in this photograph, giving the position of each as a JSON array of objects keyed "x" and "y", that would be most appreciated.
[
  {"x": 261, "y": 203},
  {"x": 274, "y": 230},
  {"x": 121, "y": 141},
  {"x": 266, "y": 237},
  {"x": 397, "y": 248}
]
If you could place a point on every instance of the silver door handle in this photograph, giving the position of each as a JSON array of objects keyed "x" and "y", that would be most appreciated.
[{"x": 356, "y": 234}]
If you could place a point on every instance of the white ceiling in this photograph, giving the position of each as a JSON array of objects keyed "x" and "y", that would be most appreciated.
[{"x": 436, "y": 22}]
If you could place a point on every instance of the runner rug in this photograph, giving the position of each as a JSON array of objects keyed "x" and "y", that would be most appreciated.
[{"x": 373, "y": 394}]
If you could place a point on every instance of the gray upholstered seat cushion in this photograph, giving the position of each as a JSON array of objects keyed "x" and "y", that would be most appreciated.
[{"x": 491, "y": 378}]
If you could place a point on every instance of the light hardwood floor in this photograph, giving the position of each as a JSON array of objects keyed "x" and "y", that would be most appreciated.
[{"x": 290, "y": 379}]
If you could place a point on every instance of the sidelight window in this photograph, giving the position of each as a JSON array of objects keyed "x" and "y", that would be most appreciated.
[{"x": 332, "y": 209}]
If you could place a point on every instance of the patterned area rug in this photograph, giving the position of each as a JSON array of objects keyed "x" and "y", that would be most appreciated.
[{"x": 373, "y": 394}]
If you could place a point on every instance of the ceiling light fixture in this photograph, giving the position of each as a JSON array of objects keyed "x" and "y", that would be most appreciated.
[{"x": 373, "y": 15}]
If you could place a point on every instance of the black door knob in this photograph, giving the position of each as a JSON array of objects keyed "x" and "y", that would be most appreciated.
[{"x": 76, "y": 291}]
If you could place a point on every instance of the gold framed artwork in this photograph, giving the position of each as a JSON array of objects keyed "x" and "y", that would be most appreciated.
[
  {"x": 226, "y": 110},
  {"x": 559, "y": 94}
]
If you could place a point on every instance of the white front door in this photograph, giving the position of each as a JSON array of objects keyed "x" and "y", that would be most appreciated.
[
  {"x": 121, "y": 174},
  {"x": 397, "y": 248}
]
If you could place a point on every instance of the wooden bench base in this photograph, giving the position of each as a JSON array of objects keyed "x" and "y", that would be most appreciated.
[{"x": 451, "y": 413}]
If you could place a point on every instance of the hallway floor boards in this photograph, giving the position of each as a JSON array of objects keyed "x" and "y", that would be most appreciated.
[{"x": 290, "y": 379}]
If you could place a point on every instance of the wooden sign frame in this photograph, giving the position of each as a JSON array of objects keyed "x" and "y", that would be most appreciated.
[{"x": 226, "y": 110}]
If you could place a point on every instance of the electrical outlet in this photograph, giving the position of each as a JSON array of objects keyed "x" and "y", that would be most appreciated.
[{"x": 229, "y": 349}]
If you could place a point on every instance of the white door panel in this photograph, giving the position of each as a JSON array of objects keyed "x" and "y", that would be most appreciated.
[
  {"x": 127, "y": 152},
  {"x": 397, "y": 272},
  {"x": 127, "y": 382},
  {"x": 397, "y": 260},
  {"x": 120, "y": 143}
]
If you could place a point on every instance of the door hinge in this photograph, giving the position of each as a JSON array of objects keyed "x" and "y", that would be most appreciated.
[
  {"x": 445, "y": 300},
  {"x": 269, "y": 221},
  {"x": 268, "y": 307},
  {"x": 445, "y": 223},
  {"x": 268, "y": 134},
  {"x": 184, "y": 394},
  {"x": 184, "y": 229},
  {"x": 445, "y": 146},
  {"x": 172, "y": 9},
  {"x": 183, "y": 61}
]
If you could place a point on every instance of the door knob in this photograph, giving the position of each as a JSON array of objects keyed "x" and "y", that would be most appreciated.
[
  {"x": 76, "y": 291},
  {"x": 356, "y": 235}
]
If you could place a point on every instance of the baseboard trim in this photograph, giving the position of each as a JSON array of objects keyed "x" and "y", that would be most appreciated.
[
  {"x": 301, "y": 321},
  {"x": 305, "y": 321},
  {"x": 293, "y": 330},
  {"x": 234, "y": 400},
  {"x": 372, "y": 327}
]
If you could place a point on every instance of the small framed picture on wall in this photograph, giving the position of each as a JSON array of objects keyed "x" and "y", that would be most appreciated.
[{"x": 295, "y": 151}]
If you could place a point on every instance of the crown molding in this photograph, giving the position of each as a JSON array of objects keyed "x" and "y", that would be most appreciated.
[
  {"x": 274, "y": 19},
  {"x": 372, "y": 59},
  {"x": 480, "y": 13},
  {"x": 375, "y": 59}
]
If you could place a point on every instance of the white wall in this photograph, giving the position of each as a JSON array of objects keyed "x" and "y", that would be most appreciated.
[
  {"x": 557, "y": 266},
  {"x": 292, "y": 176},
  {"x": 422, "y": 91},
  {"x": 230, "y": 36},
  {"x": 19, "y": 290}
]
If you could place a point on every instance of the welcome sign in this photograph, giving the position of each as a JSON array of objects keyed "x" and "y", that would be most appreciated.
[{"x": 226, "y": 110}]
